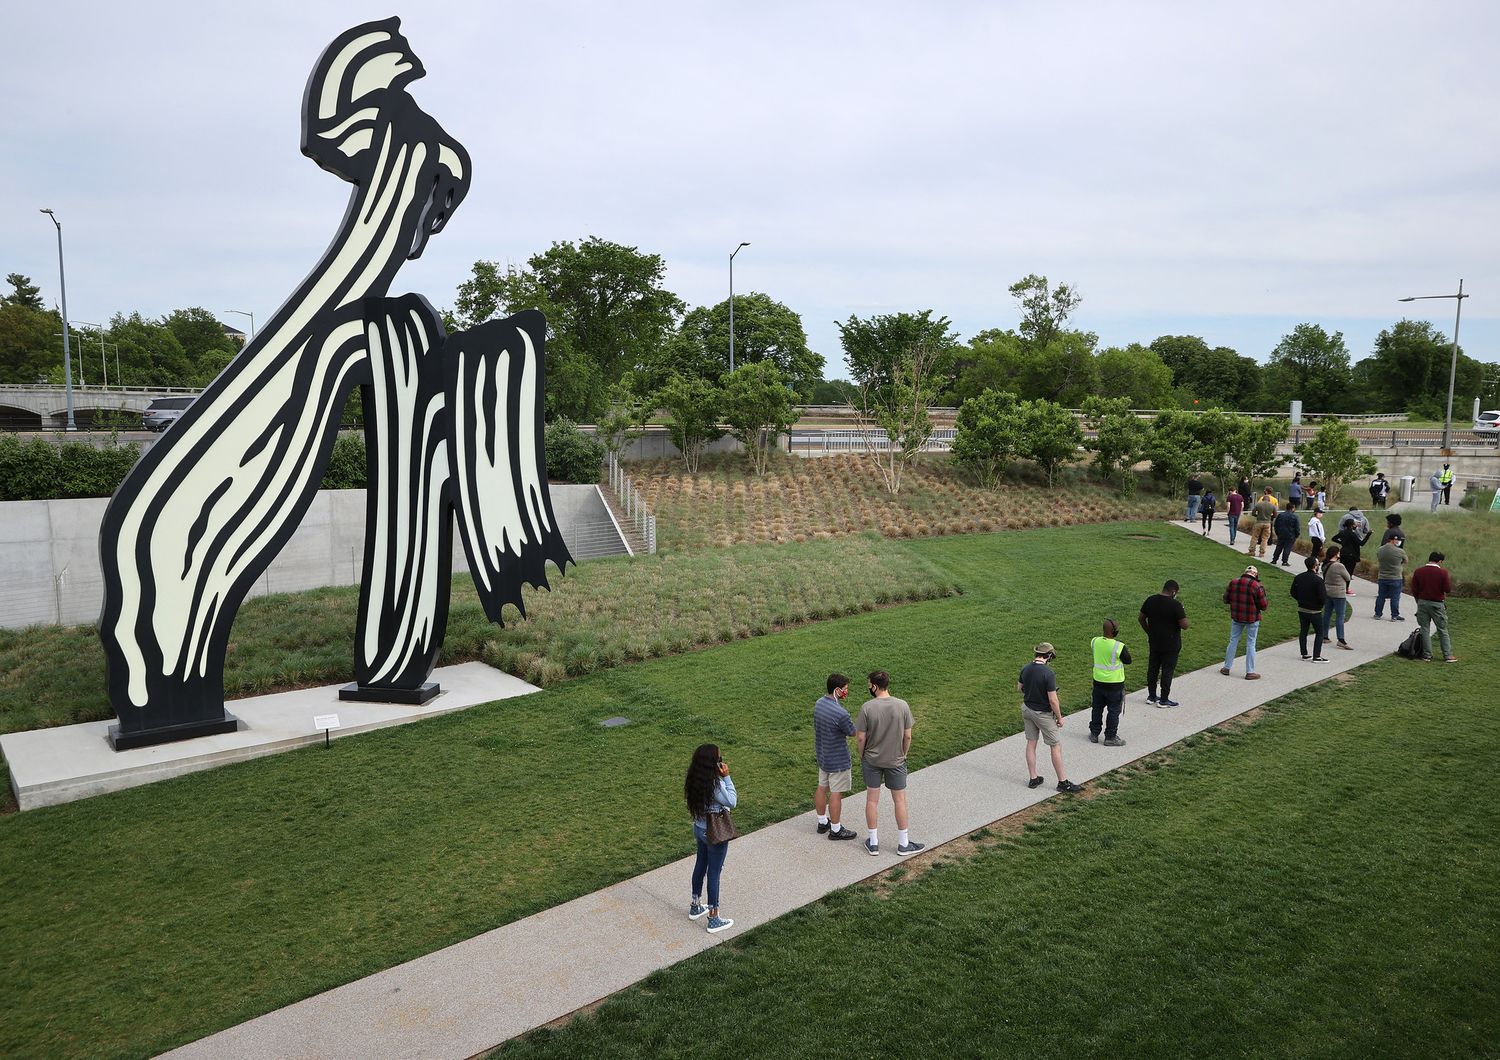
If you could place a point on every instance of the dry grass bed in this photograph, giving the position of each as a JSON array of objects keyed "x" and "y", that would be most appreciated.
[{"x": 811, "y": 499}]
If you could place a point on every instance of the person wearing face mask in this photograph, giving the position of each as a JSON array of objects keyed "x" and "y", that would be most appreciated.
[
  {"x": 1110, "y": 657},
  {"x": 832, "y": 728}
]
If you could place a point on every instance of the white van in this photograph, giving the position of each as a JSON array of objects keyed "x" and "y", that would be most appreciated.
[{"x": 1487, "y": 422}]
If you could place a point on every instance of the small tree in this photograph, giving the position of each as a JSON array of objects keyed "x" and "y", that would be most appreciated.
[
  {"x": 1333, "y": 457},
  {"x": 624, "y": 416},
  {"x": 1119, "y": 437},
  {"x": 1252, "y": 450},
  {"x": 1172, "y": 448},
  {"x": 1049, "y": 435},
  {"x": 1216, "y": 432},
  {"x": 901, "y": 408},
  {"x": 986, "y": 440},
  {"x": 693, "y": 405},
  {"x": 757, "y": 406}
]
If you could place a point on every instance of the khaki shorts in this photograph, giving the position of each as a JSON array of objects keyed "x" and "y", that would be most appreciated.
[
  {"x": 839, "y": 782},
  {"x": 1039, "y": 723}
]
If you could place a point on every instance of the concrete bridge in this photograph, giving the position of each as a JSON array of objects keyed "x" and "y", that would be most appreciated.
[{"x": 42, "y": 407}]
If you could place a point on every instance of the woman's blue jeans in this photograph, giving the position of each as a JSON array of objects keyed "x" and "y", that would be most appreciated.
[
  {"x": 710, "y": 863},
  {"x": 1334, "y": 608}
]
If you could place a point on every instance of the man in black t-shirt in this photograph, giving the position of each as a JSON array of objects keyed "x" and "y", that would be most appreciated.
[
  {"x": 1041, "y": 716},
  {"x": 1163, "y": 618}
]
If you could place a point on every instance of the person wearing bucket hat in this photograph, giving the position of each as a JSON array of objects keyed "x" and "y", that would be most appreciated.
[
  {"x": 1041, "y": 716},
  {"x": 1246, "y": 598}
]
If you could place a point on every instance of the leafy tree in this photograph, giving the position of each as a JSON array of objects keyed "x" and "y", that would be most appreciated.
[
  {"x": 991, "y": 361},
  {"x": 1062, "y": 371},
  {"x": 1311, "y": 365},
  {"x": 1044, "y": 309},
  {"x": 607, "y": 312},
  {"x": 1332, "y": 456},
  {"x": 901, "y": 407},
  {"x": 1049, "y": 435},
  {"x": 1172, "y": 448},
  {"x": 626, "y": 414},
  {"x": 987, "y": 440},
  {"x": 23, "y": 292},
  {"x": 694, "y": 405},
  {"x": 1119, "y": 437},
  {"x": 1214, "y": 432},
  {"x": 30, "y": 343},
  {"x": 757, "y": 406},
  {"x": 1209, "y": 377},
  {"x": 874, "y": 348},
  {"x": 150, "y": 352},
  {"x": 1135, "y": 373},
  {"x": 572, "y": 456},
  {"x": 832, "y": 392},
  {"x": 1253, "y": 448},
  {"x": 764, "y": 330},
  {"x": 198, "y": 331},
  {"x": 1409, "y": 370}
]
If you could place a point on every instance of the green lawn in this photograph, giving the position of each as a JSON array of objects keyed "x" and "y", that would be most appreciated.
[
  {"x": 147, "y": 918},
  {"x": 1320, "y": 884},
  {"x": 1471, "y": 544}
]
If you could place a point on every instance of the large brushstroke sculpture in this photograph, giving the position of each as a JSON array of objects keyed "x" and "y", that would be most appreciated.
[{"x": 453, "y": 426}]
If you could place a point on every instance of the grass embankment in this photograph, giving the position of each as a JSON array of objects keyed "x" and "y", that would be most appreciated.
[
  {"x": 1471, "y": 544},
  {"x": 143, "y": 919},
  {"x": 808, "y": 499},
  {"x": 1320, "y": 883},
  {"x": 602, "y": 613}
]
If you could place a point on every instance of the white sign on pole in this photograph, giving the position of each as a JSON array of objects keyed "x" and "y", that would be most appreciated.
[
  {"x": 1296, "y": 413},
  {"x": 325, "y": 721}
]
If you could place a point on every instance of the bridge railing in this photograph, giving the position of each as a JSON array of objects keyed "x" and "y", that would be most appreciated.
[{"x": 60, "y": 388}]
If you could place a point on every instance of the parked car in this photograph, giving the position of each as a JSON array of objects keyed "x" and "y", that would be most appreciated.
[
  {"x": 1487, "y": 422},
  {"x": 163, "y": 412}
]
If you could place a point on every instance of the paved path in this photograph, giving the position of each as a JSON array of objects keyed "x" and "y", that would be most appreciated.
[{"x": 467, "y": 998}]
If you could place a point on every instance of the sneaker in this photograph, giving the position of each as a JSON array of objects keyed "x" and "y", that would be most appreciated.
[
  {"x": 1113, "y": 741},
  {"x": 1069, "y": 786},
  {"x": 1224, "y": 670},
  {"x": 1034, "y": 782},
  {"x": 873, "y": 849},
  {"x": 823, "y": 828},
  {"x": 1345, "y": 645},
  {"x": 717, "y": 924},
  {"x": 843, "y": 833},
  {"x": 1318, "y": 658},
  {"x": 1151, "y": 700},
  {"x": 1398, "y": 618},
  {"x": 1451, "y": 658},
  {"x": 1306, "y": 657},
  {"x": 1093, "y": 737},
  {"x": 906, "y": 850},
  {"x": 695, "y": 910},
  {"x": 1350, "y": 592},
  {"x": 1252, "y": 677},
  {"x": 1164, "y": 702}
]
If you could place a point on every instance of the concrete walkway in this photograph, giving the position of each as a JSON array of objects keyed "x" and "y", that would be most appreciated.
[{"x": 470, "y": 997}]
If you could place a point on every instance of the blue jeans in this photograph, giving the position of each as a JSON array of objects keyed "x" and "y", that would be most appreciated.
[
  {"x": 1388, "y": 589},
  {"x": 710, "y": 863},
  {"x": 1193, "y": 501},
  {"x": 1334, "y": 609},
  {"x": 1234, "y": 527},
  {"x": 1250, "y": 630},
  {"x": 1282, "y": 553}
]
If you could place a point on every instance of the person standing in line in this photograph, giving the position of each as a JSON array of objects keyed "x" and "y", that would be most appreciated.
[
  {"x": 1446, "y": 479},
  {"x": 1393, "y": 531},
  {"x": 1379, "y": 490},
  {"x": 1435, "y": 481},
  {"x": 832, "y": 728},
  {"x": 1294, "y": 491},
  {"x": 1207, "y": 508},
  {"x": 1195, "y": 496},
  {"x": 1308, "y": 591},
  {"x": 1320, "y": 499},
  {"x": 1264, "y": 512},
  {"x": 1041, "y": 716},
  {"x": 1163, "y": 618},
  {"x": 708, "y": 789},
  {"x": 1310, "y": 496},
  {"x": 1288, "y": 528},
  {"x": 1354, "y": 531},
  {"x": 1336, "y": 589},
  {"x": 1234, "y": 507},
  {"x": 883, "y": 729},
  {"x": 1315, "y": 534},
  {"x": 1110, "y": 656},
  {"x": 1245, "y": 492},
  {"x": 1246, "y": 598},
  {"x": 1392, "y": 558},
  {"x": 1431, "y": 584}
]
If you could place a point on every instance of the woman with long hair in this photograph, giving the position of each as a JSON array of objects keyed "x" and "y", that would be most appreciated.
[{"x": 708, "y": 789}]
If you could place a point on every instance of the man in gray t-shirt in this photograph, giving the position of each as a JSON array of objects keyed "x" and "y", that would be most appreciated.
[{"x": 883, "y": 729}]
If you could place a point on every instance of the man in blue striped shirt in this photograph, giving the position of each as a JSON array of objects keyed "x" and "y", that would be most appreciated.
[{"x": 832, "y": 728}]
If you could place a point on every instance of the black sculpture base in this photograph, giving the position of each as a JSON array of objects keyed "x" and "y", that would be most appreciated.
[
  {"x": 374, "y": 694},
  {"x": 124, "y": 741}
]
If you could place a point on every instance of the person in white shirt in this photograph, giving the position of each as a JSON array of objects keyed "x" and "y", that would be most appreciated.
[{"x": 1316, "y": 533}]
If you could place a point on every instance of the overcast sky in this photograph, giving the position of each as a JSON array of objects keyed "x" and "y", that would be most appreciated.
[{"x": 1225, "y": 170}]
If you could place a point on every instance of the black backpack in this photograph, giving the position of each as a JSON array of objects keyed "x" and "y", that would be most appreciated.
[{"x": 1411, "y": 647}]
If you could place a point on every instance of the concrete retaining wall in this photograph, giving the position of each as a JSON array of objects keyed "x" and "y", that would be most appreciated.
[{"x": 49, "y": 551}]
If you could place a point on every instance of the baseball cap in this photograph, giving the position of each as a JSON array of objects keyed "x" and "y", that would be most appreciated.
[
  {"x": 1250, "y": 570},
  {"x": 1045, "y": 649}
]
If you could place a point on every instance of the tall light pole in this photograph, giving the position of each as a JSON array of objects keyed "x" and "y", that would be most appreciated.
[
  {"x": 245, "y": 313},
  {"x": 737, "y": 249},
  {"x": 103, "y": 363},
  {"x": 62, "y": 283},
  {"x": 1453, "y": 365}
]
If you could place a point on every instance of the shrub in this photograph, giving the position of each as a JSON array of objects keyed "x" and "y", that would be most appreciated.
[
  {"x": 572, "y": 456},
  {"x": 346, "y": 467},
  {"x": 39, "y": 470}
]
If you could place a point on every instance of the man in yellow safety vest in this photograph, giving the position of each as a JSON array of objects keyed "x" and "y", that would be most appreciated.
[
  {"x": 1446, "y": 480},
  {"x": 1110, "y": 657}
]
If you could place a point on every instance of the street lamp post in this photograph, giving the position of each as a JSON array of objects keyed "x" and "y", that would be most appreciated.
[
  {"x": 102, "y": 362},
  {"x": 245, "y": 313},
  {"x": 62, "y": 284},
  {"x": 1453, "y": 364},
  {"x": 737, "y": 249}
]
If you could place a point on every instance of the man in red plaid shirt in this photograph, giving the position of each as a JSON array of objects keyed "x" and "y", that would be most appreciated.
[{"x": 1246, "y": 598}]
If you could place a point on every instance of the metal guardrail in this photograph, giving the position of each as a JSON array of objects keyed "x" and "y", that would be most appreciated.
[
  {"x": 60, "y": 388},
  {"x": 632, "y": 504},
  {"x": 839, "y": 440}
]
